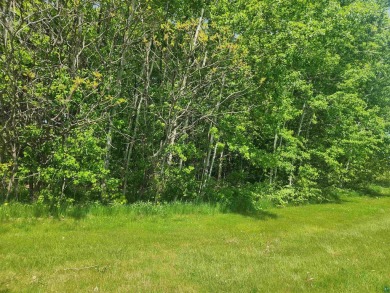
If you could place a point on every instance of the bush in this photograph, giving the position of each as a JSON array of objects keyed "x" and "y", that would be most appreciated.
[{"x": 247, "y": 199}]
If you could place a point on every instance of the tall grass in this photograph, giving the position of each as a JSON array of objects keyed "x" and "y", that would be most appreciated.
[{"x": 136, "y": 210}]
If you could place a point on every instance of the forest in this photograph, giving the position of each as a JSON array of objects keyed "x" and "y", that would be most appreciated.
[{"x": 228, "y": 101}]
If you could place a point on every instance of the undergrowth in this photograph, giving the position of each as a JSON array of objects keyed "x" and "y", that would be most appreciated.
[
  {"x": 238, "y": 200},
  {"x": 79, "y": 211}
]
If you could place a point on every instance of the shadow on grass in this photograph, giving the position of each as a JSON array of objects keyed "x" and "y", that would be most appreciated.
[
  {"x": 340, "y": 196},
  {"x": 258, "y": 215},
  {"x": 375, "y": 191},
  {"x": 248, "y": 210},
  {"x": 82, "y": 211},
  {"x": 331, "y": 198}
]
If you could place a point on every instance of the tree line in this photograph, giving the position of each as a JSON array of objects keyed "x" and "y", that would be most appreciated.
[{"x": 120, "y": 101}]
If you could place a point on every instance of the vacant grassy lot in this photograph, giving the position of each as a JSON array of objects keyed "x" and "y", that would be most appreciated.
[{"x": 340, "y": 247}]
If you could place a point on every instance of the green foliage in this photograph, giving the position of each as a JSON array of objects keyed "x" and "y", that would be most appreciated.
[{"x": 174, "y": 100}]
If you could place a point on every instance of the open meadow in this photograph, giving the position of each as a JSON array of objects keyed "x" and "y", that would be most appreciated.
[{"x": 335, "y": 247}]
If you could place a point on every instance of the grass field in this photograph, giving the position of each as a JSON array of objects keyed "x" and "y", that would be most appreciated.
[{"x": 337, "y": 247}]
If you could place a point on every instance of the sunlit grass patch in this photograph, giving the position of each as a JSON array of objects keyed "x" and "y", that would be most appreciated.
[{"x": 336, "y": 247}]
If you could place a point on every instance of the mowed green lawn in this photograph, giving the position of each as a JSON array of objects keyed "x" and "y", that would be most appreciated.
[{"x": 342, "y": 247}]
